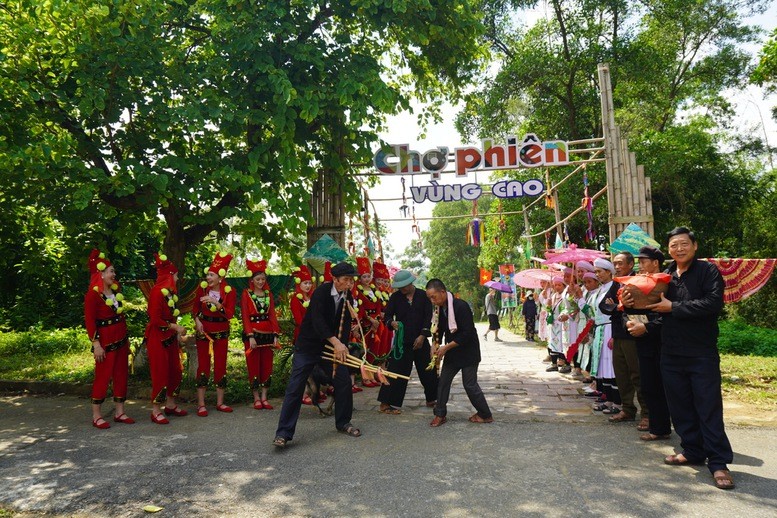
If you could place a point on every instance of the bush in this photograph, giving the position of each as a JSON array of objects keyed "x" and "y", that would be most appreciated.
[{"x": 737, "y": 337}]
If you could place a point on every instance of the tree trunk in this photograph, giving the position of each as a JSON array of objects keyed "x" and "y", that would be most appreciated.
[{"x": 175, "y": 245}]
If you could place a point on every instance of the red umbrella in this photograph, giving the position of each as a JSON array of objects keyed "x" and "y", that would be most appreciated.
[{"x": 572, "y": 254}]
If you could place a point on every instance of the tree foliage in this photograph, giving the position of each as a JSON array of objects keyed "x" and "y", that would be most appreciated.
[{"x": 213, "y": 115}]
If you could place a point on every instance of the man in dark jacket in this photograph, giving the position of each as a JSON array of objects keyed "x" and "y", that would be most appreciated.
[
  {"x": 461, "y": 352},
  {"x": 690, "y": 363},
  {"x": 327, "y": 322},
  {"x": 645, "y": 327},
  {"x": 410, "y": 307}
]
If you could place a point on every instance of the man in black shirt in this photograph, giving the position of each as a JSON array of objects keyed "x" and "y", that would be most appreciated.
[
  {"x": 461, "y": 352},
  {"x": 327, "y": 321},
  {"x": 410, "y": 307},
  {"x": 690, "y": 363}
]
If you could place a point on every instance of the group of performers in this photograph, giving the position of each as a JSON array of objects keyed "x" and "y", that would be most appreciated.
[
  {"x": 577, "y": 330},
  {"x": 214, "y": 306}
]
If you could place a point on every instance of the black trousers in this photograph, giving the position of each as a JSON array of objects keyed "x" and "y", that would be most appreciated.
[
  {"x": 653, "y": 386},
  {"x": 301, "y": 367},
  {"x": 469, "y": 378},
  {"x": 692, "y": 386},
  {"x": 394, "y": 394}
]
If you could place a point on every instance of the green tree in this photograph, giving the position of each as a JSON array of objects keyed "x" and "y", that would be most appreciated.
[
  {"x": 212, "y": 115},
  {"x": 451, "y": 259},
  {"x": 765, "y": 74}
]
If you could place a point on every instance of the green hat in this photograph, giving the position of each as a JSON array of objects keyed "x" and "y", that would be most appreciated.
[{"x": 402, "y": 278}]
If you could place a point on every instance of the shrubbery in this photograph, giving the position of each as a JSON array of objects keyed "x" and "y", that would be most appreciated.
[{"x": 737, "y": 337}]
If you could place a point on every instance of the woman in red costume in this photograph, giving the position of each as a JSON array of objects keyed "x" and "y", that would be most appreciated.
[
  {"x": 383, "y": 289},
  {"x": 107, "y": 329},
  {"x": 299, "y": 306},
  {"x": 370, "y": 308},
  {"x": 260, "y": 332},
  {"x": 214, "y": 307},
  {"x": 164, "y": 354}
]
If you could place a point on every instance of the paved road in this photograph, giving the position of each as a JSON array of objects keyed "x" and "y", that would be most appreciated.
[{"x": 547, "y": 454}]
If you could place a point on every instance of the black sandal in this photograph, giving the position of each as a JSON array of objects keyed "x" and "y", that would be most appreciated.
[
  {"x": 279, "y": 442},
  {"x": 351, "y": 430}
]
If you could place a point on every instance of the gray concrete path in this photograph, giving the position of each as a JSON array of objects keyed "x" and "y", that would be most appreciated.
[{"x": 547, "y": 454}]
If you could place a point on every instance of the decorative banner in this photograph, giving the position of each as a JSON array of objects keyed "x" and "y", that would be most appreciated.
[
  {"x": 472, "y": 191},
  {"x": 485, "y": 276},
  {"x": 506, "y": 273},
  {"x": 743, "y": 277},
  {"x": 528, "y": 153},
  {"x": 187, "y": 287}
]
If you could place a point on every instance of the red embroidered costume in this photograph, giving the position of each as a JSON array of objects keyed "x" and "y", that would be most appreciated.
[
  {"x": 106, "y": 323},
  {"x": 261, "y": 323},
  {"x": 215, "y": 324},
  {"x": 164, "y": 355}
]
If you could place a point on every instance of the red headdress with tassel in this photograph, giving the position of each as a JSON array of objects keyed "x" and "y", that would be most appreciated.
[
  {"x": 220, "y": 264},
  {"x": 255, "y": 267},
  {"x": 97, "y": 264},
  {"x": 380, "y": 271},
  {"x": 363, "y": 266},
  {"x": 165, "y": 270}
]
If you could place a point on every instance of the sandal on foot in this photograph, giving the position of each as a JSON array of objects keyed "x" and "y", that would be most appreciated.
[
  {"x": 599, "y": 407},
  {"x": 305, "y": 401},
  {"x": 266, "y": 405},
  {"x": 224, "y": 408},
  {"x": 644, "y": 424},
  {"x": 159, "y": 418},
  {"x": 258, "y": 405},
  {"x": 723, "y": 480},
  {"x": 351, "y": 430},
  {"x": 202, "y": 411},
  {"x": 388, "y": 409},
  {"x": 180, "y": 412},
  {"x": 100, "y": 423},
  {"x": 123, "y": 418},
  {"x": 438, "y": 421},
  {"x": 620, "y": 417},
  {"x": 681, "y": 460},
  {"x": 475, "y": 418},
  {"x": 279, "y": 442},
  {"x": 653, "y": 437}
]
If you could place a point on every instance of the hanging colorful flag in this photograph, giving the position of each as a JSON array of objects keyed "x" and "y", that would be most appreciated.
[{"x": 485, "y": 276}]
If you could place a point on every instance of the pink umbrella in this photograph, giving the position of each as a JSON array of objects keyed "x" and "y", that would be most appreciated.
[
  {"x": 532, "y": 277},
  {"x": 572, "y": 254}
]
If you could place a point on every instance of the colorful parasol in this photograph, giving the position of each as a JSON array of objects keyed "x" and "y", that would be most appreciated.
[
  {"x": 572, "y": 254},
  {"x": 532, "y": 278},
  {"x": 498, "y": 286},
  {"x": 743, "y": 277}
]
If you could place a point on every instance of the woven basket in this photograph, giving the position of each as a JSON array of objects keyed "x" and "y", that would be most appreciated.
[{"x": 641, "y": 301}]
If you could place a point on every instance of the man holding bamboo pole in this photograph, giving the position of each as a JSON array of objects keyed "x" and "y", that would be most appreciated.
[{"x": 327, "y": 322}]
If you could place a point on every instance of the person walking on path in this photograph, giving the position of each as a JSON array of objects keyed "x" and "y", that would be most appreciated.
[
  {"x": 327, "y": 322},
  {"x": 410, "y": 309},
  {"x": 529, "y": 313},
  {"x": 690, "y": 362},
  {"x": 452, "y": 318},
  {"x": 493, "y": 315}
]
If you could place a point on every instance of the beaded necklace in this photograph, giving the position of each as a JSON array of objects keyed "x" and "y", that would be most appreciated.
[{"x": 262, "y": 302}]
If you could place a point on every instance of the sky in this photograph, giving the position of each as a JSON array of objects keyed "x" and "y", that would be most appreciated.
[{"x": 753, "y": 111}]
